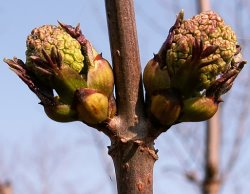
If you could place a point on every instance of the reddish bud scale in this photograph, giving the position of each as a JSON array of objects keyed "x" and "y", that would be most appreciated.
[{"x": 100, "y": 76}]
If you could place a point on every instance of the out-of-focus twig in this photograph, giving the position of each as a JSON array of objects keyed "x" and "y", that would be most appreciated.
[{"x": 107, "y": 165}]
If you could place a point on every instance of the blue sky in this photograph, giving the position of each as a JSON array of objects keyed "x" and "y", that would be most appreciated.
[{"x": 22, "y": 118}]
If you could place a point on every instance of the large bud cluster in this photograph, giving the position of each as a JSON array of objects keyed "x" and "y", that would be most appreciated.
[
  {"x": 197, "y": 63},
  {"x": 70, "y": 78},
  {"x": 49, "y": 36},
  {"x": 214, "y": 44}
]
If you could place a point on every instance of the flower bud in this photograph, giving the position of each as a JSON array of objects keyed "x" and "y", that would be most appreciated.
[
  {"x": 48, "y": 36},
  {"x": 54, "y": 66},
  {"x": 201, "y": 59},
  {"x": 56, "y": 59},
  {"x": 197, "y": 51},
  {"x": 98, "y": 71}
]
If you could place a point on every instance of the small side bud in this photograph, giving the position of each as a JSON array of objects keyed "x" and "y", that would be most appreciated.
[
  {"x": 60, "y": 112},
  {"x": 165, "y": 108},
  {"x": 100, "y": 76},
  {"x": 155, "y": 78},
  {"x": 198, "y": 109},
  {"x": 92, "y": 107}
]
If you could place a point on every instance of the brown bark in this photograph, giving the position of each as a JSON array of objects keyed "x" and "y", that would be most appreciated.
[
  {"x": 132, "y": 148},
  {"x": 125, "y": 57},
  {"x": 134, "y": 168}
]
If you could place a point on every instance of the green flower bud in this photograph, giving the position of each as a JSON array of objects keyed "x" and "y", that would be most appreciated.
[
  {"x": 98, "y": 72},
  {"x": 48, "y": 36},
  {"x": 197, "y": 51}
]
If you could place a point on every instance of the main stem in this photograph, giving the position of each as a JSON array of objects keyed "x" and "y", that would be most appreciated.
[
  {"x": 131, "y": 150},
  {"x": 134, "y": 168},
  {"x": 125, "y": 57}
]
